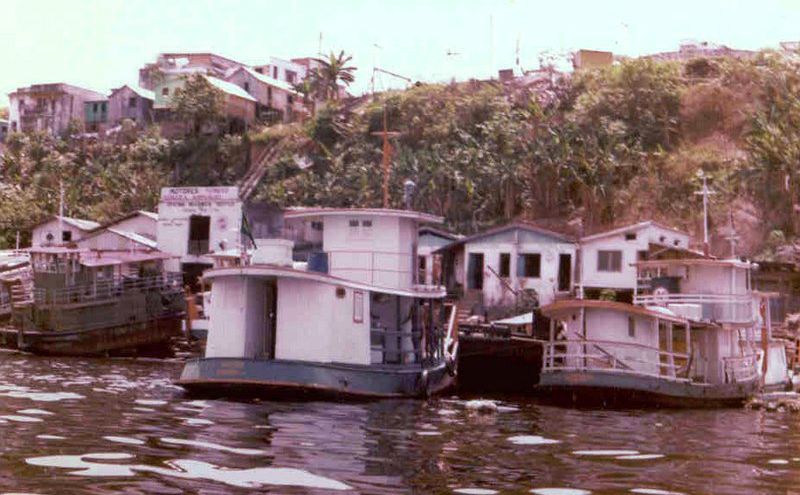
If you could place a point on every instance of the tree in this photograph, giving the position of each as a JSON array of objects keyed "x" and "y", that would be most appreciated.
[
  {"x": 4, "y": 113},
  {"x": 332, "y": 70},
  {"x": 199, "y": 103}
]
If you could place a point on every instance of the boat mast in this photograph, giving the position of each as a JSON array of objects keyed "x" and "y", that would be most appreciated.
[
  {"x": 387, "y": 155},
  {"x": 61, "y": 209}
]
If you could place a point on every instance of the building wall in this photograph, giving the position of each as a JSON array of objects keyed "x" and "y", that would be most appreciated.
[
  {"x": 239, "y": 108},
  {"x": 268, "y": 96},
  {"x": 237, "y": 324},
  {"x": 326, "y": 333},
  {"x": 178, "y": 204},
  {"x": 139, "y": 224},
  {"x": 110, "y": 241},
  {"x": 39, "y": 234},
  {"x": 48, "y": 107},
  {"x": 518, "y": 242},
  {"x": 626, "y": 277}
]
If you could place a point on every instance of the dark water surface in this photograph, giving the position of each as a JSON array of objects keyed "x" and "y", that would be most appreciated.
[{"x": 120, "y": 426}]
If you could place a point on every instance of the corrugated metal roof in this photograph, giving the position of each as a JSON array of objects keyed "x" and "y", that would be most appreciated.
[
  {"x": 137, "y": 238},
  {"x": 144, "y": 93},
  {"x": 229, "y": 88},
  {"x": 80, "y": 223},
  {"x": 277, "y": 83}
]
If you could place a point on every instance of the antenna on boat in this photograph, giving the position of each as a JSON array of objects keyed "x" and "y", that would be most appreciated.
[
  {"x": 387, "y": 155},
  {"x": 61, "y": 207},
  {"x": 705, "y": 192}
]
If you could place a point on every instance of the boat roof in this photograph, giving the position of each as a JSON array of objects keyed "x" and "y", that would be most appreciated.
[
  {"x": 572, "y": 304},
  {"x": 311, "y": 212},
  {"x": 631, "y": 227},
  {"x": 421, "y": 292},
  {"x": 694, "y": 261},
  {"x": 107, "y": 258}
]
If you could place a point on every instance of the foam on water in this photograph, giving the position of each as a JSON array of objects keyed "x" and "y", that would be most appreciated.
[
  {"x": 639, "y": 457},
  {"x": 35, "y": 412},
  {"x": 475, "y": 491},
  {"x": 560, "y": 491},
  {"x": 605, "y": 453},
  {"x": 151, "y": 402},
  {"x": 50, "y": 437},
  {"x": 125, "y": 440},
  {"x": 654, "y": 491},
  {"x": 21, "y": 419},
  {"x": 196, "y": 421},
  {"x": 532, "y": 440},
  {"x": 213, "y": 446}
]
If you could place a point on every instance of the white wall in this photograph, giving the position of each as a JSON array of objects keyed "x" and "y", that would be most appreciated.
[
  {"x": 325, "y": 332},
  {"x": 110, "y": 241},
  {"x": 495, "y": 292},
  {"x": 39, "y": 234},
  {"x": 626, "y": 278},
  {"x": 139, "y": 224},
  {"x": 382, "y": 255},
  {"x": 178, "y": 204}
]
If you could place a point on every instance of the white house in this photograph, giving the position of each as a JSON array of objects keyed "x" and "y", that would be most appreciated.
[
  {"x": 193, "y": 222},
  {"x": 607, "y": 257},
  {"x": 274, "y": 96},
  {"x": 429, "y": 266},
  {"x": 59, "y": 230},
  {"x": 117, "y": 240},
  {"x": 495, "y": 265},
  {"x": 140, "y": 222}
]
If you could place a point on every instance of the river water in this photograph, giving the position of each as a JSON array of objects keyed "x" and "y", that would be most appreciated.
[{"x": 121, "y": 426}]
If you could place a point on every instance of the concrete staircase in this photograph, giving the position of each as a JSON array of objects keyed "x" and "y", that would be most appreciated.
[
  {"x": 470, "y": 299},
  {"x": 266, "y": 158}
]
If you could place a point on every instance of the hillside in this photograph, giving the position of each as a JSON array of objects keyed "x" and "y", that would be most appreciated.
[{"x": 584, "y": 153}]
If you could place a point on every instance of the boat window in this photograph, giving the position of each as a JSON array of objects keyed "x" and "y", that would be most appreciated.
[
  {"x": 353, "y": 224},
  {"x": 505, "y": 264},
  {"x": 366, "y": 223},
  {"x": 609, "y": 261},
  {"x": 316, "y": 225},
  {"x": 630, "y": 236},
  {"x": 66, "y": 236},
  {"x": 631, "y": 327},
  {"x": 358, "y": 306},
  {"x": 529, "y": 265}
]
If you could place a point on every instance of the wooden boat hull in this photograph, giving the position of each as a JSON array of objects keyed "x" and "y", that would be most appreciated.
[
  {"x": 490, "y": 364},
  {"x": 101, "y": 341},
  {"x": 613, "y": 389},
  {"x": 279, "y": 378}
]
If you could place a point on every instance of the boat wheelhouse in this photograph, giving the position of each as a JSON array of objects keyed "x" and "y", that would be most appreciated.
[
  {"x": 95, "y": 302},
  {"x": 696, "y": 335},
  {"x": 350, "y": 320}
]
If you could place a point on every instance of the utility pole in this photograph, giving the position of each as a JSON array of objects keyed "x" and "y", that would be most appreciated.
[
  {"x": 732, "y": 237},
  {"x": 705, "y": 192},
  {"x": 387, "y": 155},
  {"x": 61, "y": 210}
]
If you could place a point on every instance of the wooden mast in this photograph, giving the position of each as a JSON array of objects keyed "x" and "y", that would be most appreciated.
[{"x": 387, "y": 155}]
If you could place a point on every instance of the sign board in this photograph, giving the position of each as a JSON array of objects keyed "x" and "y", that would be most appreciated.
[{"x": 199, "y": 195}]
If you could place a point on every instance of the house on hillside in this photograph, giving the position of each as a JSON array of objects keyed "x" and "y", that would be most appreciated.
[
  {"x": 131, "y": 102},
  {"x": 49, "y": 107},
  {"x": 135, "y": 231},
  {"x": 607, "y": 257},
  {"x": 4, "y": 130},
  {"x": 429, "y": 265},
  {"x": 277, "y": 100},
  {"x": 95, "y": 115},
  {"x": 494, "y": 266},
  {"x": 61, "y": 230},
  {"x": 185, "y": 62}
]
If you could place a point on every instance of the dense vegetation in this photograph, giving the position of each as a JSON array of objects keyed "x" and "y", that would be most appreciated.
[{"x": 599, "y": 148}]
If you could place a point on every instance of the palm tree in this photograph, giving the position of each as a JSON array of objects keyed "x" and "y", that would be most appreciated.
[{"x": 330, "y": 72}]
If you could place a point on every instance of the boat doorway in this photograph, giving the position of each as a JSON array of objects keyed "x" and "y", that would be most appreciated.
[
  {"x": 270, "y": 319},
  {"x": 192, "y": 272},
  {"x": 475, "y": 271},
  {"x": 564, "y": 272}
]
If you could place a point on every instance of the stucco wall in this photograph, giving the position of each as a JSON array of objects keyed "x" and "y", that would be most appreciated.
[{"x": 39, "y": 234}]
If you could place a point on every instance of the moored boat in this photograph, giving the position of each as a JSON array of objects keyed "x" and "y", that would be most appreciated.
[
  {"x": 97, "y": 302},
  {"x": 696, "y": 336},
  {"x": 351, "y": 321}
]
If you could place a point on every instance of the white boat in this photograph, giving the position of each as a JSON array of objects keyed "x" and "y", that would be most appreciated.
[
  {"x": 350, "y": 321},
  {"x": 696, "y": 335}
]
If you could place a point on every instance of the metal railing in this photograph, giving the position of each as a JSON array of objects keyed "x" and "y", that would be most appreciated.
[
  {"x": 107, "y": 289},
  {"x": 620, "y": 357},
  {"x": 740, "y": 368},
  {"x": 724, "y": 308}
]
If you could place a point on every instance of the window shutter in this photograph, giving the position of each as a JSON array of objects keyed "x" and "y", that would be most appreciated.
[{"x": 520, "y": 265}]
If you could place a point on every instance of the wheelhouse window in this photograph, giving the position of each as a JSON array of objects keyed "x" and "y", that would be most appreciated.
[
  {"x": 66, "y": 236},
  {"x": 505, "y": 264},
  {"x": 609, "y": 261},
  {"x": 529, "y": 265}
]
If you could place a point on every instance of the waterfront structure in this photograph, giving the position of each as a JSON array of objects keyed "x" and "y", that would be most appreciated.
[
  {"x": 95, "y": 302},
  {"x": 696, "y": 335},
  {"x": 607, "y": 258},
  {"x": 277, "y": 100},
  {"x": 494, "y": 267},
  {"x": 58, "y": 230},
  {"x": 49, "y": 107},
  {"x": 373, "y": 330},
  {"x": 193, "y": 222},
  {"x": 428, "y": 264},
  {"x": 131, "y": 102}
]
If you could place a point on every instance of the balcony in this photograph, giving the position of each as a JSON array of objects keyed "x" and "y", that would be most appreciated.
[{"x": 720, "y": 308}]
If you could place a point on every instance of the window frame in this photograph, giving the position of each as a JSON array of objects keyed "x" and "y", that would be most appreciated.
[{"x": 609, "y": 266}]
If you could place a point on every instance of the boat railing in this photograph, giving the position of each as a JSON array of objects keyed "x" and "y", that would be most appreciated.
[
  {"x": 395, "y": 347},
  {"x": 740, "y": 368},
  {"x": 723, "y": 308},
  {"x": 619, "y": 357},
  {"x": 107, "y": 289}
]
